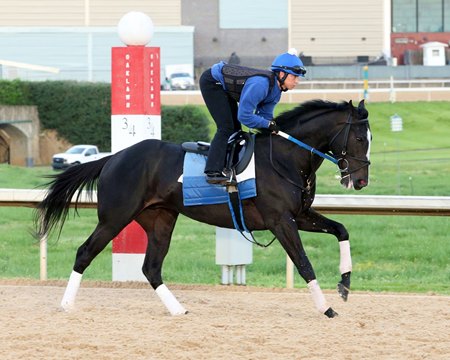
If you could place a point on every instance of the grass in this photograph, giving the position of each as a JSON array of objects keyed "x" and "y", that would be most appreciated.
[{"x": 390, "y": 253}]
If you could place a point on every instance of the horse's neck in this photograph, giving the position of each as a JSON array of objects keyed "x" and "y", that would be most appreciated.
[
  {"x": 288, "y": 155},
  {"x": 316, "y": 133}
]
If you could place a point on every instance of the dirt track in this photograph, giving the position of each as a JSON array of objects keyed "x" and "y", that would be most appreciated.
[{"x": 128, "y": 321}]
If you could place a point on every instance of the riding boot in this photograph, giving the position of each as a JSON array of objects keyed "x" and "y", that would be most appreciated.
[{"x": 216, "y": 158}]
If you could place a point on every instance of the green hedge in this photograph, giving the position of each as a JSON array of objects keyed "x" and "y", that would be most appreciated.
[
  {"x": 184, "y": 123},
  {"x": 81, "y": 111},
  {"x": 14, "y": 93}
]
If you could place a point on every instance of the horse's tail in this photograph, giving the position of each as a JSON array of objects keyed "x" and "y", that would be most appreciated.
[{"x": 54, "y": 209}]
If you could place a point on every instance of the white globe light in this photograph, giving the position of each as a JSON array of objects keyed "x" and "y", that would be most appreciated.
[{"x": 135, "y": 28}]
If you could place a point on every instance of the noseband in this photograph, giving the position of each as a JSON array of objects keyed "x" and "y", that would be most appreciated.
[{"x": 342, "y": 161}]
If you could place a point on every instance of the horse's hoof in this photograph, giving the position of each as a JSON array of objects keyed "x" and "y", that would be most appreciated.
[
  {"x": 330, "y": 313},
  {"x": 343, "y": 291}
]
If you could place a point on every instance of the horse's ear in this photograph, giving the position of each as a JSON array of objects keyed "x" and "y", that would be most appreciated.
[
  {"x": 362, "y": 111},
  {"x": 350, "y": 103}
]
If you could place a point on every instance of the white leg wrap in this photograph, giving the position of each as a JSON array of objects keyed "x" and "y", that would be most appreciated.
[
  {"x": 317, "y": 295},
  {"x": 168, "y": 299},
  {"x": 73, "y": 285},
  {"x": 346, "y": 259}
]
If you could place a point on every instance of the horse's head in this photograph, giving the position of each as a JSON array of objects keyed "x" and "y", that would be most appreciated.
[
  {"x": 337, "y": 127},
  {"x": 351, "y": 146}
]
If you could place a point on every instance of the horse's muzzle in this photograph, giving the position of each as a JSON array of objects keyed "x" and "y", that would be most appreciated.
[
  {"x": 349, "y": 183},
  {"x": 359, "y": 184}
]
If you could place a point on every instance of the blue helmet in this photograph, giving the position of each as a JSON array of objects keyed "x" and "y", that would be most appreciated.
[{"x": 289, "y": 63}]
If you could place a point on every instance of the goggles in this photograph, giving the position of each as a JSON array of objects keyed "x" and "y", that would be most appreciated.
[{"x": 297, "y": 70}]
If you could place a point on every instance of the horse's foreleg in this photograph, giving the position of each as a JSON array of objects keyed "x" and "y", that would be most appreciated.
[
  {"x": 312, "y": 221},
  {"x": 287, "y": 234},
  {"x": 101, "y": 236},
  {"x": 159, "y": 225},
  {"x": 345, "y": 268}
]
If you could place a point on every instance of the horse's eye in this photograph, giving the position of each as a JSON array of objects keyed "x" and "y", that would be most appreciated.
[{"x": 359, "y": 139}]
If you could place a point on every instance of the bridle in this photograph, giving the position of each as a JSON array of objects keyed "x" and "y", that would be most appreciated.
[{"x": 340, "y": 160}]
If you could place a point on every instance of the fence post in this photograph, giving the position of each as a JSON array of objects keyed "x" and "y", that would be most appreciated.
[
  {"x": 43, "y": 258},
  {"x": 289, "y": 273},
  {"x": 366, "y": 81}
]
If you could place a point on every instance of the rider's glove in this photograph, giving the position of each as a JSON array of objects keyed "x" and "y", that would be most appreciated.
[{"x": 273, "y": 127}]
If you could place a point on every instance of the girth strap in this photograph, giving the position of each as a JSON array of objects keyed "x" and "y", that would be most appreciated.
[
  {"x": 237, "y": 215},
  {"x": 235, "y": 206}
]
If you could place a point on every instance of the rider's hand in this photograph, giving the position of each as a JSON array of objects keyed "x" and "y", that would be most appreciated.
[{"x": 273, "y": 127}]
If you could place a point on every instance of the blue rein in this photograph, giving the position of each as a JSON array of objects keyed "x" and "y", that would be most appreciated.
[{"x": 307, "y": 147}]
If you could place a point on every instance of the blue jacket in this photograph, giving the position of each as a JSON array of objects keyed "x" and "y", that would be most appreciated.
[{"x": 257, "y": 104}]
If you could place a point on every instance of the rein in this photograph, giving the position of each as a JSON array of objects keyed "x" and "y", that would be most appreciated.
[{"x": 307, "y": 147}]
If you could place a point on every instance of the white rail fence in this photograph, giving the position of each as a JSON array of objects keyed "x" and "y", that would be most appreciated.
[
  {"x": 378, "y": 91},
  {"x": 331, "y": 204}
]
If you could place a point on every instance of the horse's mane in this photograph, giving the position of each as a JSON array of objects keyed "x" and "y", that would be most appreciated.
[{"x": 300, "y": 111}]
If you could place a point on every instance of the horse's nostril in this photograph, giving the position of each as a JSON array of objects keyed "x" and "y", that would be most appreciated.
[{"x": 362, "y": 182}]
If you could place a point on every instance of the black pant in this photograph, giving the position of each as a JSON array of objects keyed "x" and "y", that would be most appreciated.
[{"x": 223, "y": 109}]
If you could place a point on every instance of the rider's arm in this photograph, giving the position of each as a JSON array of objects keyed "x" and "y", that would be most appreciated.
[{"x": 255, "y": 91}]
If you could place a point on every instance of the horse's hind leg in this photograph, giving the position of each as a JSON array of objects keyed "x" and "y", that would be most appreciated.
[
  {"x": 98, "y": 240},
  {"x": 159, "y": 225}
]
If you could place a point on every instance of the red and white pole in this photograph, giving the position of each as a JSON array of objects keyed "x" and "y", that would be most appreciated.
[{"x": 135, "y": 116}]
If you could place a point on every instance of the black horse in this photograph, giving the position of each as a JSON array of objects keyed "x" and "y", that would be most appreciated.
[{"x": 141, "y": 183}]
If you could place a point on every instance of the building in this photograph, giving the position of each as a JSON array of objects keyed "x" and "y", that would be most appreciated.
[
  {"x": 72, "y": 39},
  {"x": 415, "y": 23},
  {"x": 75, "y": 36}
]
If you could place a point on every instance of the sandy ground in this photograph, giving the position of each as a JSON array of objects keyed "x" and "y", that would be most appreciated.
[{"x": 128, "y": 321}]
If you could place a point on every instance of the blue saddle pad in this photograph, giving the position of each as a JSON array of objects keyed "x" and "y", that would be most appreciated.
[{"x": 196, "y": 191}]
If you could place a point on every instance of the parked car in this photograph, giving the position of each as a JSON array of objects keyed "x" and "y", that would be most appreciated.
[
  {"x": 77, "y": 154},
  {"x": 181, "y": 81}
]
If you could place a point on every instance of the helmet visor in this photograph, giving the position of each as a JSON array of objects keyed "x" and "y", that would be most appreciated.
[{"x": 297, "y": 70}]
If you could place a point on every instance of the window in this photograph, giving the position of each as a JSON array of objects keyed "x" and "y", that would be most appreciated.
[
  {"x": 404, "y": 16},
  {"x": 90, "y": 152},
  {"x": 251, "y": 14},
  {"x": 430, "y": 16},
  {"x": 447, "y": 15},
  {"x": 420, "y": 15}
]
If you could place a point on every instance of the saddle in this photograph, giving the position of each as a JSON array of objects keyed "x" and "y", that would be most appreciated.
[
  {"x": 196, "y": 191},
  {"x": 239, "y": 150}
]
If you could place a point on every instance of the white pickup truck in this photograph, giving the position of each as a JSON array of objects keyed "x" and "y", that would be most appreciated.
[{"x": 77, "y": 154}]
